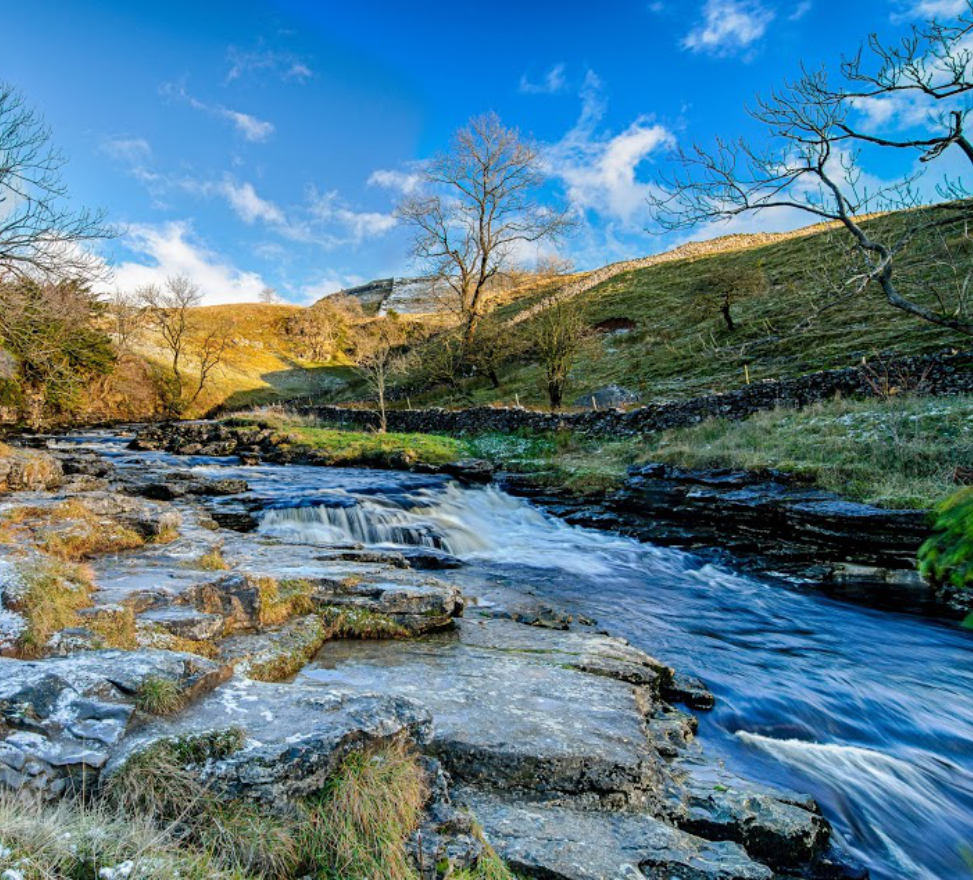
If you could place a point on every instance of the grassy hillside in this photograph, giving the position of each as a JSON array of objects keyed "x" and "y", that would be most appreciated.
[
  {"x": 674, "y": 352},
  {"x": 260, "y": 365}
]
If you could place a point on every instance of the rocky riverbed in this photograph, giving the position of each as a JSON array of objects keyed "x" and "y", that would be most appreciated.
[{"x": 572, "y": 749}]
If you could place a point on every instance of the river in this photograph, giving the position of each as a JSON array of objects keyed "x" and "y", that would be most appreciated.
[{"x": 870, "y": 711}]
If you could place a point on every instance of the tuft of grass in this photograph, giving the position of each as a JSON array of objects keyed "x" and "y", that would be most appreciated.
[
  {"x": 114, "y": 626},
  {"x": 357, "y": 827},
  {"x": 159, "y": 696},
  {"x": 54, "y": 592},
  {"x": 361, "y": 623},
  {"x": 489, "y": 866},
  {"x": 212, "y": 560},
  {"x": 166, "y": 535},
  {"x": 341, "y": 447},
  {"x": 78, "y": 839}
]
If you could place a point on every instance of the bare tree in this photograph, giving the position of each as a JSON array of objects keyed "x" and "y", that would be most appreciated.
[
  {"x": 811, "y": 162},
  {"x": 270, "y": 297},
  {"x": 128, "y": 318},
  {"x": 171, "y": 310},
  {"x": 725, "y": 285},
  {"x": 478, "y": 202},
  {"x": 377, "y": 359},
  {"x": 557, "y": 336},
  {"x": 168, "y": 309},
  {"x": 41, "y": 236}
]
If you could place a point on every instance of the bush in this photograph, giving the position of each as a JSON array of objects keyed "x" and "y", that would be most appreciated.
[{"x": 947, "y": 556}]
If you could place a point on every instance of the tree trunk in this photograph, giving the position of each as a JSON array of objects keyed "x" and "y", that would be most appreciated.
[
  {"x": 555, "y": 393},
  {"x": 725, "y": 312},
  {"x": 493, "y": 377},
  {"x": 383, "y": 423}
]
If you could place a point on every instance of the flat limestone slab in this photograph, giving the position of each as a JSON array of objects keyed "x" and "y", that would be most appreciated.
[
  {"x": 560, "y": 843},
  {"x": 511, "y": 713}
]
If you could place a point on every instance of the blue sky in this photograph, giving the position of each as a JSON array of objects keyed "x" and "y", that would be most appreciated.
[{"x": 265, "y": 144}]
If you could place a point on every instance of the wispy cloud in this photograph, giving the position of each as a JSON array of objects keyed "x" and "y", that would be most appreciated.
[
  {"x": 283, "y": 65},
  {"x": 252, "y": 128},
  {"x": 600, "y": 169},
  {"x": 800, "y": 10},
  {"x": 550, "y": 84},
  {"x": 729, "y": 27}
]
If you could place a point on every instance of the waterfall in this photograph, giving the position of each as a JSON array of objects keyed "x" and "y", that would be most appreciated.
[{"x": 473, "y": 524}]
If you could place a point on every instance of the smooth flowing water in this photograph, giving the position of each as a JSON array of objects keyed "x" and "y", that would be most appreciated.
[{"x": 870, "y": 711}]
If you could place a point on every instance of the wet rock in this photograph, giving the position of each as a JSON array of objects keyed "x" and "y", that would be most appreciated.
[
  {"x": 87, "y": 464},
  {"x": 61, "y": 718},
  {"x": 560, "y": 843},
  {"x": 469, "y": 470},
  {"x": 236, "y": 520},
  {"x": 182, "y": 484},
  {"x": 690, "y": 691},
  {"x": 277, "y": 654},
  {"x": 295, "y": 735},
  {"x": 235, "y": 600},
  {"x": 185, "y": 623},
  {"x": 782, "y": 833},
  {"x": 419, "y": 604},
  {"x": 425, "y": 559}
]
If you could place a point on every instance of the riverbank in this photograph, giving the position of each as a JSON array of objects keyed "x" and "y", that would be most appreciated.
[{"x": 164, "y": 642}]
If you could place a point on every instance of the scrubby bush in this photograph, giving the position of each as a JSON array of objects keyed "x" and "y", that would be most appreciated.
[{"x": 947, "y": 555}]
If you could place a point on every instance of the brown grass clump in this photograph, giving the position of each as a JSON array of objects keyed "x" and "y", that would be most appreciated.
[
  {"x": 54, "y": 593},
  {"x": 114, "y": 626},
  {"x": 280, "y": 601},
  {"x": 360, "y": 623},
  {"x": 357, "y": 827},
  {"x": 212, "y": 560},
  {"x": 69, "y": 531}
]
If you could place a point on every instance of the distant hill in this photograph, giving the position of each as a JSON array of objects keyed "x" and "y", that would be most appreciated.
[{"x": 404, "y": 296}]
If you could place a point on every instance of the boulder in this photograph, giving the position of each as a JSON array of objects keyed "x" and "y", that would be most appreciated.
[{"x": 561, "y": 843}]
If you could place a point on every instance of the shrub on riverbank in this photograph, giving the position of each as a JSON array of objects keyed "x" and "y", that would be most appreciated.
[{"x": 947, "y": 556}]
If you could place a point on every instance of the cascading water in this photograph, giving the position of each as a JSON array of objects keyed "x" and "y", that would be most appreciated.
[{"x": 869, "y": 711}]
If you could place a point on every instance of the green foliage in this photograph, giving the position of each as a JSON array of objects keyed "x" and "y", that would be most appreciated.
[
  {"x": 946, "y": 557},
  {"x": 50, "y": 332}
]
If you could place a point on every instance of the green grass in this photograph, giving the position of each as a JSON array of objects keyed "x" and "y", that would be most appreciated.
[
  {"x": 159, "y": 696},
  {"x": 342, "y": 447},
  {"x": 897, "y": 453}
]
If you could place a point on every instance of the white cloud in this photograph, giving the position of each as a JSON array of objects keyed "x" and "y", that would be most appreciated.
[
  {"x": 404, "y": 182},
  {"x": 252, "y": 128},
  {"x": 284, "y": 65},
  {"x": 551, "y": 83},
  {"x": 729, "y": 27},
  {"x": 249, "y": 206},
  {"x": 600, "y": 170},
  {"x": 169, "y": 249}
]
